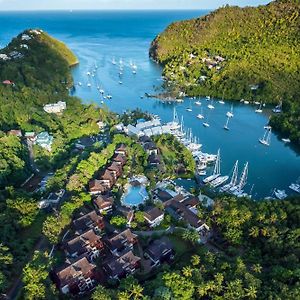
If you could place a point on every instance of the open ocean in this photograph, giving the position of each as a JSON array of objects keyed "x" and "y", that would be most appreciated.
[{"x": 98, "y": 36}]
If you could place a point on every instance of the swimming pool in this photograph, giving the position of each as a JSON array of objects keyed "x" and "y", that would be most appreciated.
[{"x": 135, "y": 195}]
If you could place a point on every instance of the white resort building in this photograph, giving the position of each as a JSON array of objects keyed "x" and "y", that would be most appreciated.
[{"x": 55, "y": 107}]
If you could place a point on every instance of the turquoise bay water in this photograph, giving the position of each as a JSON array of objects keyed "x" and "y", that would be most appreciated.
[{"x": 97, "y": 37}]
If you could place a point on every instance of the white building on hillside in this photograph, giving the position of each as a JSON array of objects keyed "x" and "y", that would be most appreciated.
[{"x": 55, "y": 107}]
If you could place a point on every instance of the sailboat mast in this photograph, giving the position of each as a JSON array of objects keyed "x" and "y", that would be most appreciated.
[
  {"x": 243, "y": 177},
  {"x": 234, "y": 174},
  {"x": 217, "y": 164}
]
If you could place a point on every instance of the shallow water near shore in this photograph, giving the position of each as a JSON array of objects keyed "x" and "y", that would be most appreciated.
[{"x": 97, "y": 37}]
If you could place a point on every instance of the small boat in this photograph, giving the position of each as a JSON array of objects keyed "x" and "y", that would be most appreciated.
[
  {"x": 259, "y": 110},
  {"x": 221, "y": 102},
  {"x": 277, "y": 109},
  {"x": 102, "y": 102},
  {"x": 200, "y": 116},
  {"x": 134, "y": 72},
  {"x": 202, "y": 173},
  {"x": 230, "y": 113},
  {"x": 280, "y": 194},
  {"x": 179, "y": 100},
  {"x": 79, "y": 83},
  {"x": 120, "y": 82},
  {"x": 246, "y": 102},
  {"x": 286, "y": 140},
  {"x": 101, "y": 91},
  {"x": 266, "y": 139},
  {"x": 198, "y": 103},
  {"x": 226, "y": 124},
  {"x": 190, "y": 107},
  {"x": 210, "y": 106},
  {"x": 113, "y": 61},
  {"x": 207, "y": 97},
  {"x": 295, "y": 187},
  {"x": 89, "y": 85},
  {"x": 88, "y": 73},
  {"x": 205, "y": 124},
  {"x": 267, "y": 127},
  {"x": 256, "y": 103},
  {"x": 109, "y": 97},
  {"x": 120, "y": 73}
]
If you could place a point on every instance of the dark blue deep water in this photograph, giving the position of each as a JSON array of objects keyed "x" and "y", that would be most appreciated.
[{"x": 96, "y": 37}]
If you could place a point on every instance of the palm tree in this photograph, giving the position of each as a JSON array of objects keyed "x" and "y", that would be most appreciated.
[
  {"x": 257, "y": 268},
  {"x": 195, "y": 260},
  {"x": 251, "y": 292},
  {"x": 187, "y": 271},
  {"x": 136, "y": 291},
  {"x": 254, "y": 231},
  {"x": 191, "y": 236}
]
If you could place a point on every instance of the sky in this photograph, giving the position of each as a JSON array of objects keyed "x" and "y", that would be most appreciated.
[{"x": 122, "y": 4}]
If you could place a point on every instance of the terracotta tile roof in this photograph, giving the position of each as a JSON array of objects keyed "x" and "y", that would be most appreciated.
[
  {"x": 86, "y": 221},
  {"x": 118, "y": 266},
  {"x": 103, "y": 201},
  {"x": 97, "y": 186},
  {"x": 70, "y": 272}
]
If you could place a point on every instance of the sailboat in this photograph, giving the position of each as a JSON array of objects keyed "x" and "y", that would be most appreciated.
[
  {"x": 222, "y": 101},
  {"x": 174, "y": 125},
  {"x": 259, "y": 110},
  {"x": 230, "y": 113},
  {"x": 200, "y": 116},
  {"x": 238, "y": 189},
  {"x": 210, "y": 106},
  {"x": 220, "y": 179},
  {"x": 190, "y": 107},
  {"x": 198, "y": 102},
  {"x": 216, "y": 172},
  {"x": 233, "y": 180},
  {"x": 266, "y": 139},
  {"x": 206, "y": 124},
  {"x": 226, "y": 124}
]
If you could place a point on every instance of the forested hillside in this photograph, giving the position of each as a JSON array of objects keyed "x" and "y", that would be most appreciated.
[
  {"x": 251, "y": 53},
  {"x": 34, "y": 71}
]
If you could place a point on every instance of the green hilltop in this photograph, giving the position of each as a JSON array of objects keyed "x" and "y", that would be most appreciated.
[
  {"x": 251, "y": 53},
  {"x": 34, "y": 71}
]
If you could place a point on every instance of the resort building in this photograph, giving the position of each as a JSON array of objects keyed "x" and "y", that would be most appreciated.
[
  {"x": 45, "y": 140},
  {"x": 90, "y": 220},
  {"x": 53, "y": 199},
  {"x": 15, "y": 132},
  {"x": 76, "y": 277},
  {"x": 120, "y": 267},
  {"x": 103, "y": 203},
  {"x": 88, "y": 243},
  {"x": 153, "y": 216},
  {"x": 120, "y": 241},
  {"x": 55, "y": 107},
  {"x": 159, "y": 251},
  {"x": 97, "y": 187}
]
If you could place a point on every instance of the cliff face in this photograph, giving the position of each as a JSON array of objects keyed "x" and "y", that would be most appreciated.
[{"x": 237, "y": 52}]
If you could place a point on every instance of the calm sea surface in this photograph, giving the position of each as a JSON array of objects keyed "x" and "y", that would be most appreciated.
[{"x": 96, "y": 37}]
